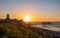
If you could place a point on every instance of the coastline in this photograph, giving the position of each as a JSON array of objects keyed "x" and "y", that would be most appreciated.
[{"x": 50, "y": 33}]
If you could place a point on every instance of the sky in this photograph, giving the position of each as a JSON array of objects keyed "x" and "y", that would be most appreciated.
[{"x": 38, "y": 10}]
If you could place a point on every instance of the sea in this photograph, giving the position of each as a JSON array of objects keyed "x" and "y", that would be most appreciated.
[{"x": 54, "y": 26}]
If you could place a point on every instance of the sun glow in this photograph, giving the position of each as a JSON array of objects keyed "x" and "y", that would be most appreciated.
[{"x": 26, "y": 19}]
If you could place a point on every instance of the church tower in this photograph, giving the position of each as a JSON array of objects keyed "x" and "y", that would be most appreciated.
[
  {"x": 7, "y": 16},
  {"x": 7, "y": 20}
]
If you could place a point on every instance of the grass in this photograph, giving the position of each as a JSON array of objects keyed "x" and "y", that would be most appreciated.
[{"x": 9, "y": 30}]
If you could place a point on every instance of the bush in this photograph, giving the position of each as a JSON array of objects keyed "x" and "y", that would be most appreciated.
[{"x": 2, "y": 32}]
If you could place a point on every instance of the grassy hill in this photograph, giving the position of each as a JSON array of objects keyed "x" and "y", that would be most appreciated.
[{"x": 9, "y": 30}]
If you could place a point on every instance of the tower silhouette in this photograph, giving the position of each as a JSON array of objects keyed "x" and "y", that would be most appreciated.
[
  {"x": 7, "y": 16},
  {"x": 7, "y": 20}
]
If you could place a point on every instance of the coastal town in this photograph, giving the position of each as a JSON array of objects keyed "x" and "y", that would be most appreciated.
[{"x": 40, "y": 29}]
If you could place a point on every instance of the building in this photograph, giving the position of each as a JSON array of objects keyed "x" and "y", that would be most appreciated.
[{"x": 8, "y": 20}]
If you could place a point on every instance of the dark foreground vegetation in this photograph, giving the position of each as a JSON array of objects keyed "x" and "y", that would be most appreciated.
[{"x": 9, "y": 30}]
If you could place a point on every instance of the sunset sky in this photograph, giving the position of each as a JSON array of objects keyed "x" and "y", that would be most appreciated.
[{"x": 38, "y": 10}]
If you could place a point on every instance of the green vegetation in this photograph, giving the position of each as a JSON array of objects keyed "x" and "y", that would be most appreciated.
[{"x": 18, "y": 31}]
